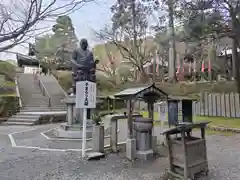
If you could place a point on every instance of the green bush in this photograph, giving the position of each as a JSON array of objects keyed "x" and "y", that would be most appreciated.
[
  {"x": 64, "y": 78},
  {"x": 9, "y": 105},
  {"x": 8, "y": 69}
]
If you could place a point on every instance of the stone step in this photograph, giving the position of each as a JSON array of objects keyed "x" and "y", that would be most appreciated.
[
  {"x": 34, "y": 105},
  {"x": 22, "y": 120},
  {"x": 25, "y": 116},
  {"x": 9, "y": 123},
  {"x": 35, "y": 110}
]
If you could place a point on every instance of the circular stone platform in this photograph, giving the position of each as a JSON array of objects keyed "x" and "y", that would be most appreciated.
[{"x": 72, "y": 133}]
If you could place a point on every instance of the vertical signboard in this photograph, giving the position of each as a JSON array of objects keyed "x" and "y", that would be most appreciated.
[{"x": 85, "y": 94}]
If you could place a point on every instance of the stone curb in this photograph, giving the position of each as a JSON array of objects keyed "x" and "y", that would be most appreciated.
[{"x": 223, "y": 129}]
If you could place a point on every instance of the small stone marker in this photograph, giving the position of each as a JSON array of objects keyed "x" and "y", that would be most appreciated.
[{"x": 95, "y": 156}]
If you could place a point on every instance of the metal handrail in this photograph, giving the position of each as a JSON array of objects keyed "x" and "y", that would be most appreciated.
[
  {"x": 18, "y": 93},
  {"x": 44, "y": 91}
]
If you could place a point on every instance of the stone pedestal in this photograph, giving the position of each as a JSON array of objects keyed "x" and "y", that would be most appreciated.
[
  {"x": 73, "y": 129},
  {"x": 144, "y": 145},
  {"x": 114, "y": 129},
  {"x": 98, "y": 139},
  {"x": 70, "y": 102}
]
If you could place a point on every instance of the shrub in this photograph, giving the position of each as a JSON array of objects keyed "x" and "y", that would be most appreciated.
[
  {"x": 8, "y": 105},
  {"x": 8, "y": 69},
  {"x": 64, "y": 78}
]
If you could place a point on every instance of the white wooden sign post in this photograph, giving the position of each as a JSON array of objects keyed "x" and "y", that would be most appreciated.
[
  {"x": 162, "y": 113},
  {"x": 85, "y": 99}
]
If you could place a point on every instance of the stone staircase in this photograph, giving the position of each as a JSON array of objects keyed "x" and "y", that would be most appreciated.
[
  {"x": 36, "y": 99},
  {"x": 55, "y": 91},
  {"x": 23, "y": 119},
  {"x": 33, "y": 100}
]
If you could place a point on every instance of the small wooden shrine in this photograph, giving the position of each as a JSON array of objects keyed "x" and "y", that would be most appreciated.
[{"x": 187, "y": 154}]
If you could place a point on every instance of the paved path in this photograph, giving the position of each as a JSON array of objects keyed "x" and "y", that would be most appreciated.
[{"x": 34, "y": 164}]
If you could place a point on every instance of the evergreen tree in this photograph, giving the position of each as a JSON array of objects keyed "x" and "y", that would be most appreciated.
[{"x": 67, "y": 40}]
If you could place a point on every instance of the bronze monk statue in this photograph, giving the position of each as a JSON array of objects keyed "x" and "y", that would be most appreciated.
[{"x": 83, "y": 64}]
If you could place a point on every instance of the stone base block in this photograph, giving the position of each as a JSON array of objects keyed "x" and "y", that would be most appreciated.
[
  {"x": 154, "y": 144},
  {"x": 144, "y": 155},
  {"x": 95, "y": 156},
  {"x": 98, "y": 139},
  {"x": 72, "y": 133},
  {"x": 131, "y": 149}
]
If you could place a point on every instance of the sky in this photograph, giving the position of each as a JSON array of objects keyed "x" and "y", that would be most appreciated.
[{"x": 92, "y": 16}]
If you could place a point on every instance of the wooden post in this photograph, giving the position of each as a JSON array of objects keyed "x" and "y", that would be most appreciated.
[
  {"x": 150, "y": 110},
  {"x": 130, "y": 123},
  {"x": 169, "y": 152},
  {"x": 185, "y": 155},
  {"x": 203, "y": 133}
]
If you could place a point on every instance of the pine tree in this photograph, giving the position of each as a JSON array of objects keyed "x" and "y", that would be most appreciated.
[{"x": 64, "y": 33}]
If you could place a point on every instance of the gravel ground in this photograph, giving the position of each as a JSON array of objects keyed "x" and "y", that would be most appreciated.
[{"x": 30, "y": 164}]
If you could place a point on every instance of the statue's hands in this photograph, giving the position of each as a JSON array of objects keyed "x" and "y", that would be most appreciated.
[{"x": 96, "y": 61}]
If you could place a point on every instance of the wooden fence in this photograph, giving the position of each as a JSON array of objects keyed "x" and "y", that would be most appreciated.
[
  {"x": 214, "y": 104},
  {"x": 220, "y": 105}
]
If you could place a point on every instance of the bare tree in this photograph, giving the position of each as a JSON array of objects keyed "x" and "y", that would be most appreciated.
[
  {"x": 129, "y": 33},
  {"x": 19, "y": 18}
]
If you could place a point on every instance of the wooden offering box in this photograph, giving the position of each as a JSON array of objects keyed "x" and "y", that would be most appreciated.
[{"x": 187, "y": 154}]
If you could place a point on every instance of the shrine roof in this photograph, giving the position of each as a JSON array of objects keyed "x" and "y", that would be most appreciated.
[
  {"x": 182, "y": 98},
  {"x": 185, "y": 127},
  {"x": 140, "y": 92},
  {"x": 26, "y": 57}
]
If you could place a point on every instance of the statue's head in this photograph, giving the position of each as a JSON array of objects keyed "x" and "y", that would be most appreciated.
[{"x": 84, "y": 44}]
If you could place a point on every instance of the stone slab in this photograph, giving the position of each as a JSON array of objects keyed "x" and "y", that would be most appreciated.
[
  {"x": 98, "y": 139},
  {"x": 214, "y": 105},
  {"x": 144, "y": 155},
  {"x": 72, "y": 134},
  {"x": 206, "y": 104},
  {"x": 131, "y": 149},
  {"x": 95, "y": 156},
  {"x": 232, "y": 105},
  {"x": 237, "y": 105},
  {"x": 218, "y": 105},
  {"x": 227, "y": 104},
  {"x": 210, "y": 105},
  {"x": 223, "y": 105}
]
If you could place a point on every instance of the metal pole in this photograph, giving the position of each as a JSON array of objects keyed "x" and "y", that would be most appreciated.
[{"x": 84, "y": 133}]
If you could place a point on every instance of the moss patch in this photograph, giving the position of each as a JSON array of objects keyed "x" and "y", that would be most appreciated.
[
  {"x": 215, "y": 121},
  {"x": 219, "y": 121}
]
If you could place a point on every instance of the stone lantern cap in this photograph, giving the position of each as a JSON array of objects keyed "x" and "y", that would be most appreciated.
[
  {"x": 70, "y": 100},
  {"x": 143, "y": 124}
]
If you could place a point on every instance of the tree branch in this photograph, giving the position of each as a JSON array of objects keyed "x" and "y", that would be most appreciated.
[{"x": 18, "y": 20}]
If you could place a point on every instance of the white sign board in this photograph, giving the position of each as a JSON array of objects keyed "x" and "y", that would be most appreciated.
[
  {"x": 162, "y": 110},
  {"x": 86, "y": 93},
  {"x": 31, "y": 70}
]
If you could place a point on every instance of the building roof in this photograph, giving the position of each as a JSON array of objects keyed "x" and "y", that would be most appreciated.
[
  {"x": 26, "y": 57},
  {"x": 185, "y": 127},
  {"x": 141, "y": 92}
]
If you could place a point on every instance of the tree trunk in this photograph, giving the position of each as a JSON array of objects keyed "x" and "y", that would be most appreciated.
[{"x": 172, "y": 49}]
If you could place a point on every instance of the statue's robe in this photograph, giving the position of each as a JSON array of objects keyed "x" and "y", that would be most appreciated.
[
  {"x": 87, "y": 71},
  {"x": 87, "y": 68}
]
